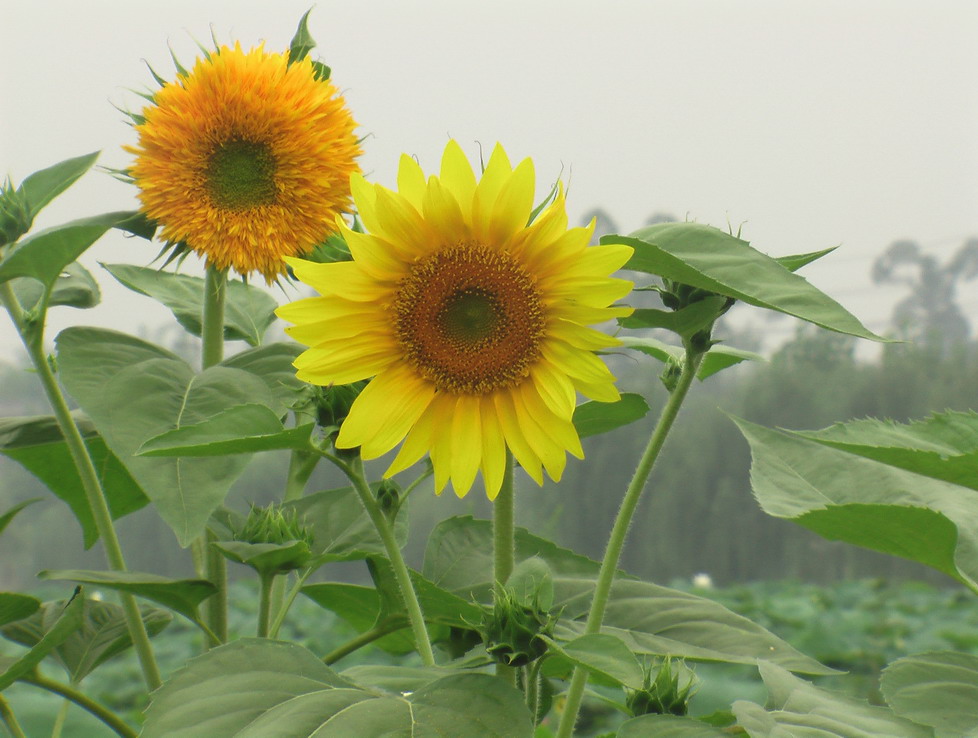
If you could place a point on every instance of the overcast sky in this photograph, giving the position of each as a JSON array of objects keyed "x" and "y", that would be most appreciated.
[{"x": 814, "y": 123}]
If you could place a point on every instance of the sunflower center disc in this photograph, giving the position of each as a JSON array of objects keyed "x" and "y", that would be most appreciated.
[
  {"x": 241, "y": 175},
  {"x": 470, "y": 319}
]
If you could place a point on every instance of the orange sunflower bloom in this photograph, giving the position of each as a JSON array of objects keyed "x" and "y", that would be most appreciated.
[{"x": 473, "y": 323}]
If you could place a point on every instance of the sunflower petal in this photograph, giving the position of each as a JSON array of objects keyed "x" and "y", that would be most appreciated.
[
  {"x": 410, "y": 180},
  {"x": 514, "y": 437},
  {"x": 442, "y": 210},
  {"x": 550, "y": 453},
  {"x": 458, "y": 177},
  {"x": 493, "y": 450},
  {"x": 513, "y": 205},
  {"x": 555, "y": 388},
  {"x": 466, "y": 443}
]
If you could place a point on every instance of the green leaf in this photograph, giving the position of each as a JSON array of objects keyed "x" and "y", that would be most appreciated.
[
  {"x": 135, "y": 391},
  {"x": 532, "y": 583},
  {"x": 668, "y": 726},
  {"x": 41, "y": 187},
  {"x": 14, "y": 606},
  {"x": 102, "y": 634},
  {"x": 44, "y": 255},
  {"x": 265, "y": 557},
  {"x": 12, "y": 512},
  {"x": 242, "y": 429},
  {"x": 914, "y": 503},
  {"x": 302, "y": 42},
  {"x": 69, "y": 619},
  {"x": 606, "y": 658},
  {"x": 799, "y": 709},
  {"x": 340, "y": 527},
  {"x": 395, "y": 678},
  {"x": 272, "y": 363},
  {"x": 710, "y": 259},
  {"x": 270, "y": 689},
  {"x": 939, "y": 689},
  {"x": 717, "y": 359},
  {"x": 36, "y": 443},
  {"x": 74, "y": 287},
  {"x": 794, "y": 262},
  {"x": 650, "y": 619},
  {"x": 248, "y": 310},
  {"x": 684, "y": 322},
  {"x": 180, "y": 595},
  {"x": 593, "y": 418}
]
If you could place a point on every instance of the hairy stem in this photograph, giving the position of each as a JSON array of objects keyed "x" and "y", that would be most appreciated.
[
  {"x": 32, "y": 337},
  {"x": 354, "y": 644},
  {"x": 264, "y": 603},
  {"x": 283, "y": 609},
  {"x": 9, "y": 719},
  {"x": 504, "y": 546},
  {"x": 97, "y": 709},
  {"x": 616, "y": 541}
]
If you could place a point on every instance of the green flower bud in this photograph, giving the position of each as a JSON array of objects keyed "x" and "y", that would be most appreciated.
[
  {"x": 668, "y": 692},
  {"x": 271, "y": 541},
  {"x": 15, "y": 215},
  {"x": 512, "y": 630},
  {"x": 389, "y": 497},
  {"x": 273, "y": 524}
]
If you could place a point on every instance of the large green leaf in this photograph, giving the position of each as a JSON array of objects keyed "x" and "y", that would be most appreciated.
[
  {"x": 248, "y": 310},
  {"x": 102, "y": 634},
  {"x": 74, "y": 287},
  {"x": 183, "y": 596},
  {"x": 918, "y": 503},
  {"x": 395, "y": 678},
  {"x": 708, "y": 258},
  {"x": 43, "y": 186},
  {"x": 650, "y": 619},
  {"x": 684, "y": 322},
  {"x": 7, "y": 517},
  {"x": 242, "y": 429},
  {"x": 14, "y": 606},
  {"x": 606, "y": 657},
  {"x": 272, "y": 363},
  {"x": 593, "y": 417},
  {"x": 36, "y": 443},
  {"x": 135, "y": 391},
  {"x": 798, "y": 709},
  {"x": 68, "y": 620},
  {"x": 44, "y": 255},
  {"x": 668, "y": 726},
  {"x": 270, "y": 689},
  {"x": 938, "y": 689},
  {"x": 717, "y": 359}
]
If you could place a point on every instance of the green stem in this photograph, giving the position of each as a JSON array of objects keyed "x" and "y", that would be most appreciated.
[
  {"x": 283, "y": 610},
  {"x": 212, "y": 352},
  {"x": 95, "y": 496},
  {"x": 504, "y": 546},
  {"x": 358, "y": 642},
  {"x": 95, "y": 708},
  {"x": 59, "y": 719},
  {"x": 9, "y": 719},
  {"x": 354, "y": 471},
  {"x": 264, "y": 603},
  {"x": 301, "y": 466},
  {"x": 616, "y": 541}
]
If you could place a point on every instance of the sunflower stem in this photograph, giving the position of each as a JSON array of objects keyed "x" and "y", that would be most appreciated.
[
  {"x": 212, "y": 352},
  {"x": 97, "y": 709},
  {"x": 301, "y": 466},
  {"x": 616, "y": 541},
  {"x": 31, "y": 333},
  {"x": 504, "y": 546},
  {"x": 264, "y": 603},
  {"x": 358, "y": 642},
  {"x": 283, "y": 609},
  {"x": 354, "y": 472},
  {"x": 8, "y": 718}
]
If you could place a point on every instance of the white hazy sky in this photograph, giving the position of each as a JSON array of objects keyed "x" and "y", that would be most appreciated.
[{"x": 815, "y": 122}]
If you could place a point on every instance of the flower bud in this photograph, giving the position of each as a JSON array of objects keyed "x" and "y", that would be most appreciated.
[
  {"x": 512, "y": 630},
  {"x": 15, "y": 216},
  {"x": 271, "y": 541},
  {"x": 669, "y": 686}
]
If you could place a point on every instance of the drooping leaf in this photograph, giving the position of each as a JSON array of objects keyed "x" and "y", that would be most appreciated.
[
  {"x": 36, "y": 443},
  {"x": 102, "y": 634},
  {"x": 710, "y": 259},
  {"x": 593, "y": 418},
  {"x": 15, "y": 606},
  {"x": 134, "y": 391},
  {"x": 69, "y": 619},
  {"x": 180, "y": 595},
  {"x": 41, "y": 187},
  {"x": 270, "y": 689},
  {"x": 242, "y": 429},
  {"x": 11, "y": 513},
  {"x": 44, "y": 255},
  {"x": 887, "y": 496},
  {"x": 668, "y": 726},
  {"x": 248, "y": 310},
  {"x": 798, "y": 708},
  {"x": 74, "y": 287},
  {"x": 650, "y": 619},
  {"x": 684, "y": 322},
  {"x": 606, "y": 657},
  {"x": 717, "y": 359},
  {"x": 939, "y": 689},
  {"x": 794, "y": 262},
  {"x": 266, "y": 557}
]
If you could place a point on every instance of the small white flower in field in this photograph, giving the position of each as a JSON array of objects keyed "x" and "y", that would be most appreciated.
[
  {"x": 96, "y": 595},
  {"x": 702, "y": 581}
]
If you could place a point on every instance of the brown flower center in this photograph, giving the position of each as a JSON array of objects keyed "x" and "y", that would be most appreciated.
[{"x": 470, "y": 319}]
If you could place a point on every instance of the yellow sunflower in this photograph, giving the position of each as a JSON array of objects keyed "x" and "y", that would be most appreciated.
[
  {"x": 472, "y": 322},
  {"x": 246, "y": 159}
]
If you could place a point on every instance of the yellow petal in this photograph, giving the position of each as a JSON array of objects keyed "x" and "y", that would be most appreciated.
[
  {"x": 600, "y": 391},
  {"x": 385, "y": 411},
  {"x": 466, "y": 443},
  {"x": 441, "y": 447},
  {"x": 513, "y": 205},
  {"x": 442, "y": 211},
  {"x": 416, "y": 445},
  {"x": 553, "y": 457},
  {"x": 575, "y": 363},
  {"x": 365, "y": 197},
  {"x": 549, "y": 226},
  {"x": 403, "y": 225},
  {"x": 555, "y": 388},
  {"x": 350, "y": 369},
  {"x": 599, "y": 261},
  {"x": 580, "y": 336},
  {"x": 498, "y": 171},
  {"x": 493, "y": 449},
  {"x": 378, "y": 258},
  {"x": 457, "y": 176},
  {"x": 593, "y": 291},
  {"x": 514, "y": 436},
  {"x": 559, "y": 429},
  {"x": 586, "y": 315},
  {"x": 343, "y": 278},
  {"x": 410, "y": 180},
  {"x": 351, "y": 324}
]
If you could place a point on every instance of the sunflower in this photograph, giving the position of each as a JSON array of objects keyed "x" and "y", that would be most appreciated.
[
  {"x": 246, "y": 159},
  {"x": 472, "y": 322}
]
